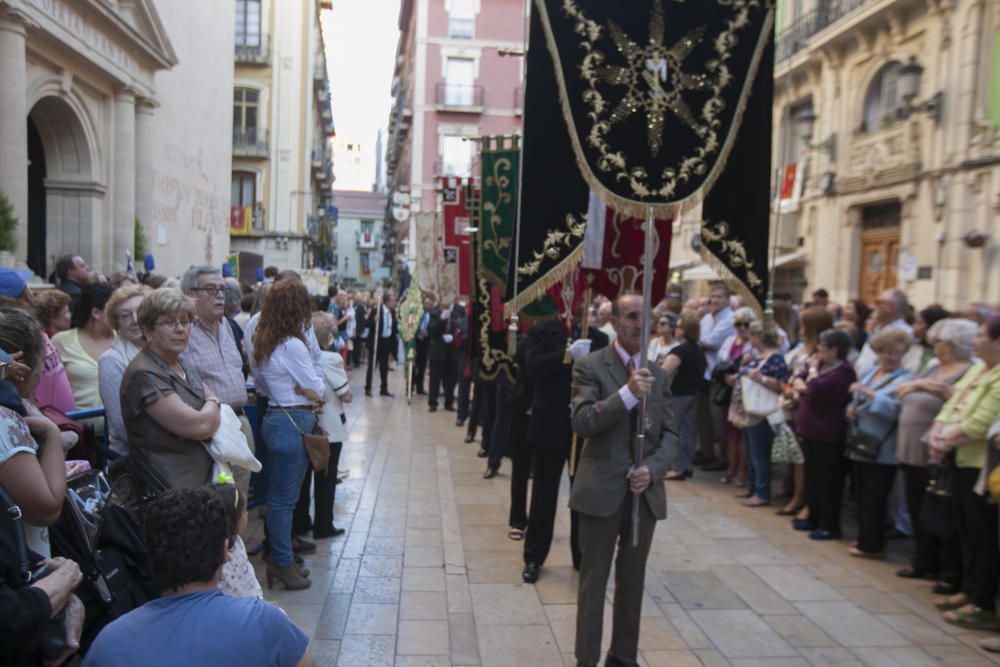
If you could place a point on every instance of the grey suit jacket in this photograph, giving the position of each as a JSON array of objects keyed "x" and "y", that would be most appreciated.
[{"x": 600, "y": 417}]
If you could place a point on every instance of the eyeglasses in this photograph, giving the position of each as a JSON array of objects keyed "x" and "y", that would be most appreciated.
[
  {"x": 742, "y": 324},
  {"x": 210, "y": 289},
  {"x": 174, "y": 324}
]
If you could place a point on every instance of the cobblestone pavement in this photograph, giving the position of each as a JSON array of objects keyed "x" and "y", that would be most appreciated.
[{"x": 426, "y": 575}]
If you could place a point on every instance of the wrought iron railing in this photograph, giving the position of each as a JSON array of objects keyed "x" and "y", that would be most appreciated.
[
  {"x": 459, "y": 96},
  {"x": 795, "y": 37},
  {"x": 249, "y": 142}
]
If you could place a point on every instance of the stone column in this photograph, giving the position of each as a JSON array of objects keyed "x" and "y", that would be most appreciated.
[
  {"x": 122, "y": 222},
  {"x": 144, "y": 153},
  {"x": 14, "y": 125}
]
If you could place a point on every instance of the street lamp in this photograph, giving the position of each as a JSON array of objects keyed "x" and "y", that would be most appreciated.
[
  {"x": 805, "y": 125},
  {"x": 909, "y": 84}
]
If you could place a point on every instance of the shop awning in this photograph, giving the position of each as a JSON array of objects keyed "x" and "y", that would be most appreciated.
[{"x": 704, "y": 271}]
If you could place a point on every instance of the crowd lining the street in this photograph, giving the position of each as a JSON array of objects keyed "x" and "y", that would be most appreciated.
[{"x": 890, "y": 416}]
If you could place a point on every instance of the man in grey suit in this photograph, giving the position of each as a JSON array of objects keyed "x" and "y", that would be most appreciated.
[{"x": 606, "y": 396}]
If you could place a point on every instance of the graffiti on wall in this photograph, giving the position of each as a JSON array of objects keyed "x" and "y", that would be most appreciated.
[{"x": 187, "y": 201}]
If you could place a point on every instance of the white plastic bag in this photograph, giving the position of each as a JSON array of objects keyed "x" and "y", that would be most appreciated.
[{"x": 229, "y": 447}]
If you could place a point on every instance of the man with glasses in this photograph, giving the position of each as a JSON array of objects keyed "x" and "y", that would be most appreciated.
[
  {"x": 716, "y": 327},
  {"x": 891, "y": 308},
  {"x": 213, "y": 350}
]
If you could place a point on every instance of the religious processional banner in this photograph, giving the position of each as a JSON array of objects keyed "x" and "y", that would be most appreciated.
[
  {"x": 455, "y": 240},
  {"x": 641, "y": 104},
  {"x": 499, "y": 160},
  {"x": 427, "y": 254}
]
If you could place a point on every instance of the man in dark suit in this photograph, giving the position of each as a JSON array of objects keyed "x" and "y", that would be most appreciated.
[
  {"x": 549, "y": 435},
  {"x": 439, "y": 356},
  {"x": 607, "y": 389},
  {"x": 383, "y": 327}
]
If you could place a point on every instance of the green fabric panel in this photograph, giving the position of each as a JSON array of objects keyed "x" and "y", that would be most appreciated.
[
  {"x": 995, "y": 82},
  {"x": 499, "y": 213}
]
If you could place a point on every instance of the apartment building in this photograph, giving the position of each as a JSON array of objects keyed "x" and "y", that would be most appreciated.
[
  {"x": 886, "y": 124},
  {"x": 282, "y": 165},
  {"x": 450, "y": 84},
  {"x": 359, "y": 256}
]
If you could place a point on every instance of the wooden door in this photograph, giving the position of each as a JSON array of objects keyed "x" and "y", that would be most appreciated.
[{"x": 879, "y": 262}]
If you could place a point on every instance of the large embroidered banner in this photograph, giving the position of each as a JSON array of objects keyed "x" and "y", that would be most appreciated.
[
  {"x": 426, "y": 269},
  {"x": 647, "y": 99},
  {"x": 455, "y": 239}
]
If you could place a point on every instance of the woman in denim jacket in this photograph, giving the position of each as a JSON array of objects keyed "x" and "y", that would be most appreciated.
[{"x": 875, "y": 411}]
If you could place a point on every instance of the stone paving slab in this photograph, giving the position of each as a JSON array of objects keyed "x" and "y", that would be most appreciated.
[{"x": 427, "y": 577}]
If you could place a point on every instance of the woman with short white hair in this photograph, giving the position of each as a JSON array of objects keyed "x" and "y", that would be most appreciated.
[{"x": 921, "y": 399}]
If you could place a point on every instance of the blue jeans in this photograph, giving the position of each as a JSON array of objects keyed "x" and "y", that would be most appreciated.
[
  {"x": 757, "y": 440},
  {"x": 287, "y": 463},
  {"x": 686, "y": 412}
]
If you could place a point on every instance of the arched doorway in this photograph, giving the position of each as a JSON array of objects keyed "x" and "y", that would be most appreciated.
[{"x": 63, "y": 197}]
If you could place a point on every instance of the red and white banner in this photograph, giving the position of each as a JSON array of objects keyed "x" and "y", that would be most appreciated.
[{"x": 456, "y": 243}]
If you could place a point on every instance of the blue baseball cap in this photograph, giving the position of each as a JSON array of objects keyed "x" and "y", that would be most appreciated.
[{"x": 11, "y": 284}]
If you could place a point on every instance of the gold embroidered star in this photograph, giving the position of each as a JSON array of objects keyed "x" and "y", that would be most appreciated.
[{"x": 653, "y": 77}]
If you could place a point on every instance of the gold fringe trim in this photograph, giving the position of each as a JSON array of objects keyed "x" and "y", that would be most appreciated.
[
  {"x": 631, "y": 207},
  {"x": 734, "y": 283},
  {"x": 541, "y": 286}
]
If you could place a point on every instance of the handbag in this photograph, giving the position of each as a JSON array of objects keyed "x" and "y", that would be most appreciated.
[
  {"x": 719, "y": 392},
  {"x": 316, "y": 444},
  {"x": 758, "y": 400},
  {"x": 937, "y": 513},
  {"x": 862, "y": 443},
  {"x": 786, "y": 448},
  {"x": 993, "y": 483},
  {"x": 737, "y": 414}
]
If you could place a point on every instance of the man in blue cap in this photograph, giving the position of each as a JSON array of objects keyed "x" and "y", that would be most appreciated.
[{"x": 12, "y": 285}]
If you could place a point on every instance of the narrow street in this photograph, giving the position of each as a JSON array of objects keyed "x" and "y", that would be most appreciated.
[{"x": 427, "y": 576}]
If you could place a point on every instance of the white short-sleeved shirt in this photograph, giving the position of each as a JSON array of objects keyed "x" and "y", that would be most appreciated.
[{"x": 15, "y": 438}]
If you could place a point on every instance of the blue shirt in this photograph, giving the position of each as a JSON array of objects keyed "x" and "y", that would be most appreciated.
[{"x": 204, "y": 628}]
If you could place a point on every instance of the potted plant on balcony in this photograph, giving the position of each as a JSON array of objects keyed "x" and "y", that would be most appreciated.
[
  {"x": 8, "y": 229},
  {"x": 975, "y": 238}
]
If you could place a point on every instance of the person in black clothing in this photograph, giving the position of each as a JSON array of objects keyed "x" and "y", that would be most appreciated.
[
  {"x": 518, "y": 400},
  {"x": 72, "y": 274},
  {"x": 439, "y": 348},
  {"x": 550, "y": 434},
  {"x": 422, "y": 345},
  {"x": 383, "y": 326},
  {"x": 686, "y": 363},
  {"x": 459, "y": 358}
]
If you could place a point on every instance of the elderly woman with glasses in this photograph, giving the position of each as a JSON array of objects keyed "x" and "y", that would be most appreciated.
[
  {"x": 874, "y": 409},
  {"x": 120, "y": 310},
  {"x": 168, "y": 411}
]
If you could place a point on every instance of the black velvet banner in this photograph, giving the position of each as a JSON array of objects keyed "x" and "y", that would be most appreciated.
[
  {"x": 647, "y": 104},
  {"x": 553, "y": 197},
  {"x": 653, "y": 90},
  {"x": 736, "y": 214}
]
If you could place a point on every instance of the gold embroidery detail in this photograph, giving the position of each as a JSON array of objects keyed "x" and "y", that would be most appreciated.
[
  {"x": 733, "y": 250},
  {"x": 493, "y": 361},
  {"x": 502, "y": 182},
  {"x": 551, "y": 248}
]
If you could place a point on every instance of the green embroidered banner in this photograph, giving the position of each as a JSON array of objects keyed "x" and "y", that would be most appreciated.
[{"x": 499, "y": 209}]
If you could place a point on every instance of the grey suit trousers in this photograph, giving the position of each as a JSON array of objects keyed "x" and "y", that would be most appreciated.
[{"x": 598, "y": 539}]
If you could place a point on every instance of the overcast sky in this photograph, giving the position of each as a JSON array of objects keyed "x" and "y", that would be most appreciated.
[{"x": 361, "y": 37}]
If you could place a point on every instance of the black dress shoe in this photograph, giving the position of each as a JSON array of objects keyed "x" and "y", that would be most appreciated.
[
  {"x": 530, "y": 574},
  {"x": 945, "y": 588},
  {"x": 714, "y": 467},
  {"x": 612, "y": 661},
  {"x": 432, "y": 408},
  {"x": 368, "y": 393},
  {"x": 459, "y": 422},
  {"x": 449, "y": 408},
  {"x": 330, "y": 531},
  {"x": 387, "y": 394},
  {"x": 916, "y": 573},
  {"x": 491, "y": 472},
  {"x": 482, "y": 453},
  {"x": 469, "y": 437}
]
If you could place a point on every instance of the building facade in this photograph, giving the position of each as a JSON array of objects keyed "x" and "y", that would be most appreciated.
[
  {"x": 109, "y": 113},
  {"x": 886, "y": 115},
  {"x": 450, "y": 85},
  {"x": 282, "y": 165},
  {"x": 359, "y": 254}
]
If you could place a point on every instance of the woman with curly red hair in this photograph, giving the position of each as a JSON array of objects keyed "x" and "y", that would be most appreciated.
[{"x": 284, "y": 366}]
